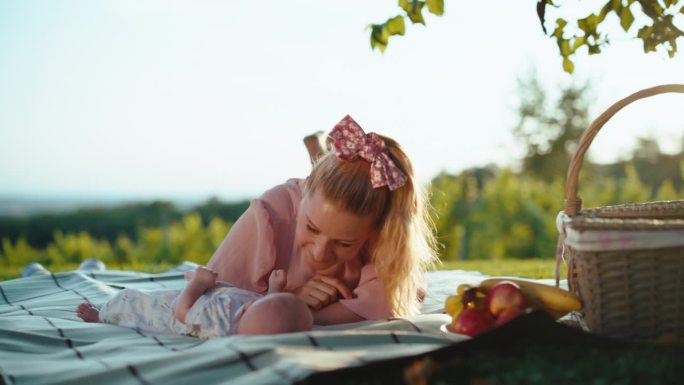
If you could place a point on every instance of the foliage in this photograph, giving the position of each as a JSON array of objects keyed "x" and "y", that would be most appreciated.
[
  {"x": 480, "y": 214},
  {"x": 113, "y": 224},
  {"x": 413, "y": 10},
  {"x": 549, "y": 135},
  {"x": 530, "y": 268},
  {"x": 657, "y": 30},
  {"x": 658, "y": 170},
  {"x": 186, "y": 239},
  {"x": 513, "y": 215}
]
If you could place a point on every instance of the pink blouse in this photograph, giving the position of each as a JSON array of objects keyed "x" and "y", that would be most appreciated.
[{"x": 262, "y": 240}]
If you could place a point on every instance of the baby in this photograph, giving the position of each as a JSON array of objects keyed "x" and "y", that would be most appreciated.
[{"x": 205, "y": 309}]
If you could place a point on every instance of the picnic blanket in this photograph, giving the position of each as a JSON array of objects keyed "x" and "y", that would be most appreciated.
[{"x": 43, "y": 342}]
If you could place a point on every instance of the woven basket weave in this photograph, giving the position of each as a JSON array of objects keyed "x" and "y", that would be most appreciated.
[{"x": 629, "y": 269}]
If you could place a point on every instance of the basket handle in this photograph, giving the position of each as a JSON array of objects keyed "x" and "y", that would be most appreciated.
[{"x": 573, "y": 203}]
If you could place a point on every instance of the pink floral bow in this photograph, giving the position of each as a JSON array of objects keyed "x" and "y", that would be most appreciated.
[{"x": 350, "y": 141}]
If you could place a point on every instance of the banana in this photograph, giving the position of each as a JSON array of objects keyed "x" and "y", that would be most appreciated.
[
  {"x": 554, "y": 300},
  {"x": 453, "y": 305},
  {"x": 463, "y": 288}
]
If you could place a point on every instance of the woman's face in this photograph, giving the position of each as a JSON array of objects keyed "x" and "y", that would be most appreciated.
[{"x": 327, "y": 235}]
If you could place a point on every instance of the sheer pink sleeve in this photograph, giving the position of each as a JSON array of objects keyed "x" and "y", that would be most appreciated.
[
  {"x": 260, "y": 237},
  {"x": 369, "y": 299},
  {"x": 247, "y": 254}
]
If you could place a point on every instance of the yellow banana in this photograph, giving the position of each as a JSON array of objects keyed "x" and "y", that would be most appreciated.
[
  {"x": 463, "y": 288},
  {"x": 554, "y": 300},
  {"x": 453, "y": 305}
]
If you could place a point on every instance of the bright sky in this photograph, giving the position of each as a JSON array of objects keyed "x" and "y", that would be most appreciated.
[{"x": 170, "y": 99}]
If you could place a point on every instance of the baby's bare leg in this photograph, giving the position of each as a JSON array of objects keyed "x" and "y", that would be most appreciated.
[
  {"x": 277, "y": 281},
  {"x": 87, "y": 312}
]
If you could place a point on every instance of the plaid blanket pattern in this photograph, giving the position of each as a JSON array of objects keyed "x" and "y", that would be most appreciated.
[{"x": 43, "y": 342}]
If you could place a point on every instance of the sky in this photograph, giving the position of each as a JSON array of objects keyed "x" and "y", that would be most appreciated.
[{"x": 169, "y": 99}]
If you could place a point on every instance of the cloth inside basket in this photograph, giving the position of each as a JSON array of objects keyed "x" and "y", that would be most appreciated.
[{"x": 586, "y": 238}]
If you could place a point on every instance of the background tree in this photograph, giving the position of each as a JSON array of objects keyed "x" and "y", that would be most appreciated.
[
  {"x": 550, "y": 133},
  {"x": 656, "y": 169},
  {"x": 659, "y": 28}
]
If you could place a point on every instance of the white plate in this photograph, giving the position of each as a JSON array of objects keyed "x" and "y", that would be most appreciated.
[{"x": 446, "y": 329}]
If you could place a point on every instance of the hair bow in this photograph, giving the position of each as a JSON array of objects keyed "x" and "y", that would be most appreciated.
[{"x": 350, "y": 141}]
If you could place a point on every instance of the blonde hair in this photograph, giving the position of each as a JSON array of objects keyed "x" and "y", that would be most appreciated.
[{"x": 405, "y": 245}]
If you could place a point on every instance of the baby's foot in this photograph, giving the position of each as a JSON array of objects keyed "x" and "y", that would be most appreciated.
[
  {"x": 88, "y": 312},
  {"x": 189, "y": 274},
  {"x": 277, "y": 281}
]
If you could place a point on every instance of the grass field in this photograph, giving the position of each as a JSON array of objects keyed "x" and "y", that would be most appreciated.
[
  {"x": 15, "y": 272},
  {"x": 532, "y": 268}
]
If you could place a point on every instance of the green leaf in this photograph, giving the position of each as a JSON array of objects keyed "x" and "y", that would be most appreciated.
[
  {"x": 379, "y": 37},
  {"x": 626, "y": 18},
  {"x": 645, "y": 32},
  {"x": 681, "y": 10},
  {"x": 668, "y": 3},
  {"x": 617, "y": 5},
  {"x": 380, "y": 33},
  {"x": 604, "y": 11},
  {"x": 649, "y": 46},
  {"x": 646, "y": 35},
  {"x": 568, "y": 66},
  {"x": 594, "y": 49},
  {"x": 565, "y": 48},
  {"x": 673, "y": 46},
  {"x": 406, "y": 5},
  {"x": 558, "y": 32},
  {"x": 658, "y": 8},
  {"x": 588, "y": 24},
  {"x": 436, "y": 7},
  {"x": 395, "y": 26},
  {"x": 579, "y": 41},
  {"x": 414, "y": 10}
]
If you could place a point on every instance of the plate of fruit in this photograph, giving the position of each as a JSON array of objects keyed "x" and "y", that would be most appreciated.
[
  {"x": 451, "y": 334},
  {"x": 476, "y": 309}
]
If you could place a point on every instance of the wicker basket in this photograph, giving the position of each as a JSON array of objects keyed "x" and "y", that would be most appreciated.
[{"x": 625, "y": 262}]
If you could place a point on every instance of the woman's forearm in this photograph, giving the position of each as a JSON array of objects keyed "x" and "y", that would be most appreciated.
[{"x": 335, "y": 313}]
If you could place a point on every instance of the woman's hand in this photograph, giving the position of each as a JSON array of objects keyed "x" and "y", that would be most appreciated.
[{"x": 320, "y": 291}]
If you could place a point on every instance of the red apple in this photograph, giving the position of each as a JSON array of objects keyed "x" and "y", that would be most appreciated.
[
  {"x": 472, "y": 322},
  {"x": 507, "y": 315},
  {"x": 505, "y": 295}
]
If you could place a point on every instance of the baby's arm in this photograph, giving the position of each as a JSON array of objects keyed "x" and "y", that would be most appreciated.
[
  {"x": 277, "y": 281},
  {"x": 202, "y": 280}
]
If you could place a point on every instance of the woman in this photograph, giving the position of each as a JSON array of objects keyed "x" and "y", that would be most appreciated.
[{"x": 353, "y": 237}]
